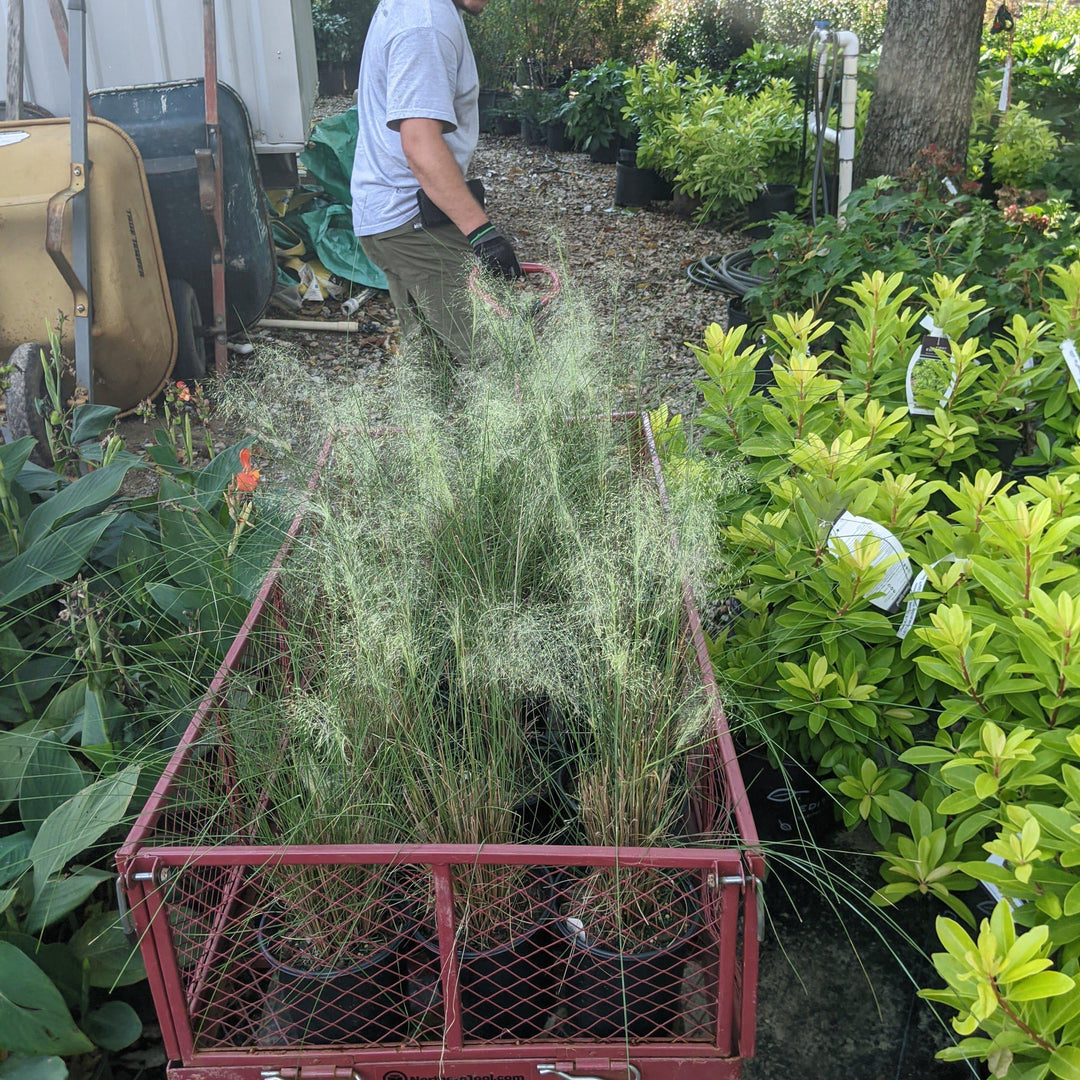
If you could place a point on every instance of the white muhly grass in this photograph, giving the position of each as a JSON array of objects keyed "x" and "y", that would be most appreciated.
[{"x": 479, "y": 558}]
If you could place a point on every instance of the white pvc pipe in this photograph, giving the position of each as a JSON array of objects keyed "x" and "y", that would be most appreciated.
[
  {"x": 845, "y": 135},
  {"x": 309, "y": 324}
]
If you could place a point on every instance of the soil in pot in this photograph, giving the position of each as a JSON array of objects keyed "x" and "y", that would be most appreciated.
[
  {"x": 362, "y": 1002},
  {"x": 507, "y": 964},
  {"x": 787, "y": 803},
  {"x": 630, "y": 938}
]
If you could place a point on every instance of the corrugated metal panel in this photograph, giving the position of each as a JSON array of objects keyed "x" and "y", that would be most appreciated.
[{"x": 266, "y": 52}]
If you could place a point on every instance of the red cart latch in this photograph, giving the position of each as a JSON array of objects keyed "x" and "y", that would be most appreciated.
[{"x": 583, "y": 1068}]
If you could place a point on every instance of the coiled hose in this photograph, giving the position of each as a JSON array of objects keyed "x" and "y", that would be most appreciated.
[{"x": 726, "y": 274}]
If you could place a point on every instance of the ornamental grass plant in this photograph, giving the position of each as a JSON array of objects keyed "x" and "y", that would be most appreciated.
[{"x": 484, "y": 613}]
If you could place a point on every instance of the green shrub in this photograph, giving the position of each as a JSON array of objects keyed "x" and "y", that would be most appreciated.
[
  {"x": 115, "y": 611},
  {"x": 595, "y": 114},
  {"x": 340, "y": 27},
  {"x": 1018, "y": 145},
  {"x": 723, "y": 148},
  {"x": 918, "y": 233},
  {"x": 951, "y": 718},
  {"x": 707, "y": 34}
]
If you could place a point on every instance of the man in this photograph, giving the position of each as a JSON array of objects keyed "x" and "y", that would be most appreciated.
[{"x": 418, "y": 126}]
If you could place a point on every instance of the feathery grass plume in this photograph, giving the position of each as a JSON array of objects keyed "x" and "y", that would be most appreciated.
[{"x": 464, "y": 581}]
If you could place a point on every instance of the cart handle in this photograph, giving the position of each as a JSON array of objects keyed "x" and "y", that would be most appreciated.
[
  {"x": 526, "y": 268},
  {"x": 54, "y": 237}
]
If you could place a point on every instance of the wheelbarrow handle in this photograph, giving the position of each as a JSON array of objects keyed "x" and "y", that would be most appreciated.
[
  {"x": 55, "y": 215},
  {"x": 554, "y": 285}
]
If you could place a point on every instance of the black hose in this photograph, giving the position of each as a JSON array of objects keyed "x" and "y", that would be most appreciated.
[{"x": 728, "y": 274}]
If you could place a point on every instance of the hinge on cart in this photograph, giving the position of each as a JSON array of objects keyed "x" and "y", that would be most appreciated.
[{"x": 716, "y": 880}]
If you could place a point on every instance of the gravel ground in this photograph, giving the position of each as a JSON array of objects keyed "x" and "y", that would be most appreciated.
[{"x": 558, "y": 209}]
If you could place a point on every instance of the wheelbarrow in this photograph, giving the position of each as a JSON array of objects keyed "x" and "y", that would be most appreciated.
[
  {"x": 168, "y": 123},
  {"x": 130, "y": 320}
]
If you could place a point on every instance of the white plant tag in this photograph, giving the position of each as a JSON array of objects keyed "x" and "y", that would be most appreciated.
[
  {"x": 933, "y": 340},
  {"x": 911, "y": 612},
  {"x": 1003, "y": 100},
  {"x": 852, "y": 530},
  {"x": 1072, "y": 359},
  {"x": 950, "y": 187}
]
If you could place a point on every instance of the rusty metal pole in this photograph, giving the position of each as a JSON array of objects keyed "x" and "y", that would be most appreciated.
[
  {"x": 213, "y": 141},
  {"x": 13, "y": 108}
]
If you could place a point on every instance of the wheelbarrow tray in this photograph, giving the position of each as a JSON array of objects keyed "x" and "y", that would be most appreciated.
[
  {"x": 134, "y": 330},
  {"x": 168, "y": 123}
]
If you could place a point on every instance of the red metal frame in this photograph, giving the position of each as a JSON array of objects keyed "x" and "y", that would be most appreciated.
[{"x": 202, "y": 982}]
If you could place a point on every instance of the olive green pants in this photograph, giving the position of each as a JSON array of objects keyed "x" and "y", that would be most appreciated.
[{"x": 427, "y": 270}]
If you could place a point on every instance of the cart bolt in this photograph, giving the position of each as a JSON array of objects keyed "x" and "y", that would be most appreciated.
[
  {"x": 80, "y": 309},
  {"x": 77, "y": 170}
]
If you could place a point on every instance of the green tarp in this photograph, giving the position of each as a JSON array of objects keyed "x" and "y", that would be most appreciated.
[{"x": 325, "y": 222}]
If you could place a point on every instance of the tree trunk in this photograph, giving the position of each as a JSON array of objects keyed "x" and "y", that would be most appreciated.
[{"x": 925, "y": 84}]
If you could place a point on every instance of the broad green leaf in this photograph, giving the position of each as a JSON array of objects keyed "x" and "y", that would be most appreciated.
[
  {"x": 79, "y": 822},
  {"x": 81, "y": 498},
  {"x": 1065, "y": 1063},
  {"x": 54, "y": 558},
  {"x": 113, "y": 1026},
  {"x": 14, "y": 455},
  {"x": 65, "y": 971},
  {"x": 102, "y": 945},
  {"x": 33, "y": 1067},
  {"x": 7, "y": 896},
  {"x": 14, "y": 856},
  {"x": 91, "y": 421},
  {"x": 59, "y": 895},
  {"x": 1044, "y": 985},
  {"x": 52, "y": 777},
  {"x": 179, "y": 604},
  {"x": 16, "y": 749},
  {"x": 33, "y": 1016}
]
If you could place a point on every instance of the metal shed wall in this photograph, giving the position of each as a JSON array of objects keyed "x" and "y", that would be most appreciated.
[{"x": 266, "y": 52}]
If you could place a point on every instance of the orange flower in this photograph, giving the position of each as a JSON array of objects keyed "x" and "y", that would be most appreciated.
[
  {"x": 247, "y": 478},
  {"x": 182, "y": 392}
]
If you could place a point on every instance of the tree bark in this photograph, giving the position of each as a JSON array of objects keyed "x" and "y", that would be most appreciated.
[{"x": 925, "y": 84}]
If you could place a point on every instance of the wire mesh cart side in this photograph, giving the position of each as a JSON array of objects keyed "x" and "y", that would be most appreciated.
[{"x": 239, "y": 992}]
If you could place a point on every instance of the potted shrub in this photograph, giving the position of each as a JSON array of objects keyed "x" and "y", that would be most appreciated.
[{"x": 594, "y": 112}]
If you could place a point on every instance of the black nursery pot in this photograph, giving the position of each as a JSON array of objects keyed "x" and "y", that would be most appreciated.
[
  {"x": 604, "y": 155},
  {"x": 633, "y": 186},
  {"x": 662, "y": 189},
  {"x": 775, "y": 199},
  {"x": 507, "y": 992},
  {"x": 532, "y": 132},
  {"x": 555, "y": 132},
  {"x": 620, "y": 995},
  {"x": 363, "y": 1003},
  {"x": 787, "y": 805}
]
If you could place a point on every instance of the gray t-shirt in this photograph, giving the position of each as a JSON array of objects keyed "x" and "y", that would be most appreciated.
[{"x": 417, "y": 62}]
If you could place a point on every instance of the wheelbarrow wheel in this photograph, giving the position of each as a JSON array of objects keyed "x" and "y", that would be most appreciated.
[
  {"x": 190, "y": 339},
  {"x": 26, "y": 388}
]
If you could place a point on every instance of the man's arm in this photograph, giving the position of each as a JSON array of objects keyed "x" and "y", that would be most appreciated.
[
  {"x": 430, "y": 161},
  {"x": 436, "y": 171}
]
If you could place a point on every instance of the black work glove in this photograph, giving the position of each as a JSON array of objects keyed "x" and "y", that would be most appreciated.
[{"x": 494, "y": 251}]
